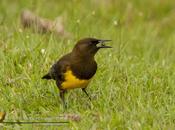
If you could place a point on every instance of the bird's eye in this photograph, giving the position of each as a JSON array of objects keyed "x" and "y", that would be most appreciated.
[{"x": 95, "y": 42}]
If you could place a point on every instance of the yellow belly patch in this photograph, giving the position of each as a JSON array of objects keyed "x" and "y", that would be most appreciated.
[{"x": 73, "y": 82}]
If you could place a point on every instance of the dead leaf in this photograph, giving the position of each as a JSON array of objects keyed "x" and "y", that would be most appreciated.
[{"x": 2, "y": 116}]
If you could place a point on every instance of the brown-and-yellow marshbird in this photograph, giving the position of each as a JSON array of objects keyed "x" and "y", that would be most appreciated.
[{"x": 76, "y": 69}]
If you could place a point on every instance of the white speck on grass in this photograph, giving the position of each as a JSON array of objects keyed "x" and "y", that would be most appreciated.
[
  {"x": 30, "y": 65},
  {"x": 27, "y": 36},
  {"x": 115, "y": 22},
  {"x": 93, "y": 12},
  {"x": 78, "y": 21},
  {"x": 20, "y": 30},
  {"x": 43, "y": 51}
]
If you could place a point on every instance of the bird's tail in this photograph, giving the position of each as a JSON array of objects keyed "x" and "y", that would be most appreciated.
[{"x": 47, "y": 76}]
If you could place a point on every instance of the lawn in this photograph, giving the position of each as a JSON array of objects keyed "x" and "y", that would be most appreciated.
[{"x": 134, "y": 87}]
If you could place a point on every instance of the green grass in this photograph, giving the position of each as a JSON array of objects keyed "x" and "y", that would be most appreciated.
[{"x": 133, "y": 88}]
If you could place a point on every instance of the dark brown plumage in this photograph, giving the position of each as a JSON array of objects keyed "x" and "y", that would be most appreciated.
[{"x": 75, "y": 69}]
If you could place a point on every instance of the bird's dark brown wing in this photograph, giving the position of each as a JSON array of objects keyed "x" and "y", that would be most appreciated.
[{"x": 58, "y": 69}]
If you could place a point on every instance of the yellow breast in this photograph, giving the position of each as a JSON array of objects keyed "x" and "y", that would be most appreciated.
[{"x": 73, "y": 82}]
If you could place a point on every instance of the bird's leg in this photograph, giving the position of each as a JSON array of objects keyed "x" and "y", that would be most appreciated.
[
  {"x": 62, "y": 92},
  {"x": 84, "y": 90}
]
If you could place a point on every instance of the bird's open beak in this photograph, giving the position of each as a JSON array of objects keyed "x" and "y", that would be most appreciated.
[{"x": 102, "y": 45}]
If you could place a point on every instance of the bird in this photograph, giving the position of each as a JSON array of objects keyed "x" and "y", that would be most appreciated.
[{"x": 76, "y": 69}]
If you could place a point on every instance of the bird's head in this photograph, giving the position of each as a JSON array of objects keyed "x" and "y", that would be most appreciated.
[{"x": 90, "y": 46}]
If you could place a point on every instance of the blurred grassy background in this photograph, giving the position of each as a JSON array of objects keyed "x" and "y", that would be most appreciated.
[{"x": 134, "y": 84}]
